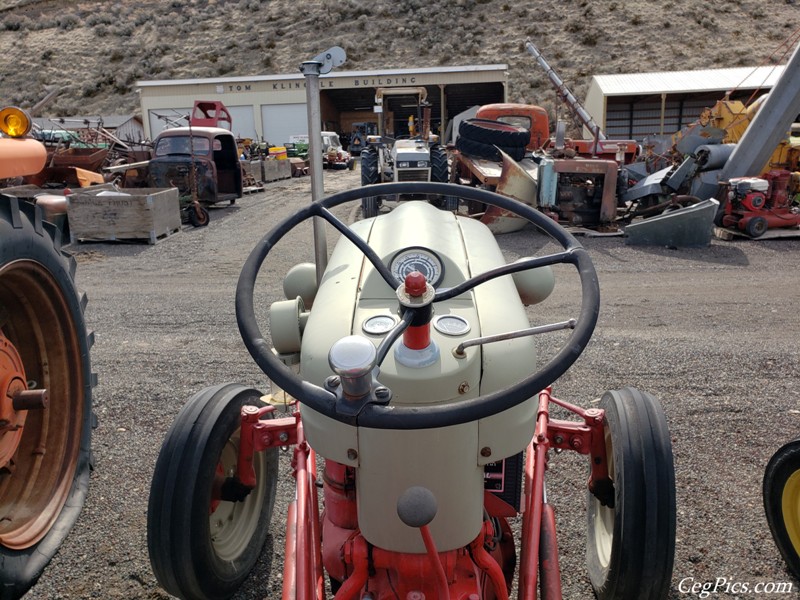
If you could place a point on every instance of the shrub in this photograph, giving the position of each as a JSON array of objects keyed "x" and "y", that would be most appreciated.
[{"x": 68, "y": 21}]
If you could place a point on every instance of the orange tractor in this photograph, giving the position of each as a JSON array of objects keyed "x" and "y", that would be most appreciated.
[{"x": 45, "y": 376}]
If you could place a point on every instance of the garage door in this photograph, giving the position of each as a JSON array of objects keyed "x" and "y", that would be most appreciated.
[
  {"x": 283, "y": 120},
  {"x": 244, "y": 124}
]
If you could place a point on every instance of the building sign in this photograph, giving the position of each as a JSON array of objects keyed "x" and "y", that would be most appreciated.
[
  {"x": 381, "y": 81},
  {"x": 298, "y": 85}
]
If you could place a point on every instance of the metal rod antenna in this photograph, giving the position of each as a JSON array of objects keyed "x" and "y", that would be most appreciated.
[{"x": 310, "y": 70}]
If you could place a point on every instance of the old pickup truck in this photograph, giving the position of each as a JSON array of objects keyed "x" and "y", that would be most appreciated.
[{"x": 202, "y": 162}]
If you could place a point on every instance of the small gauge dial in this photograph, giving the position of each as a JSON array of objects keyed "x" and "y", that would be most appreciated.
[
  {"x": 379, "y": 324},
  {"x": 451, "y": 325},
  {"x": 417, "y": 259}
]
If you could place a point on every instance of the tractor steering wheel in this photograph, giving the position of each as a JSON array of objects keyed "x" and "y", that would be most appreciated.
[{"x": 425, "y": 416}]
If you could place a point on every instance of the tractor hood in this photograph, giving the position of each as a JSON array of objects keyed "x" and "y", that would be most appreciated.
[{"x": 449, "y": 250}]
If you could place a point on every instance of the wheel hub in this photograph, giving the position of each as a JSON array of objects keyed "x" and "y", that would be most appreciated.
[{"x": 12, "y": 386}]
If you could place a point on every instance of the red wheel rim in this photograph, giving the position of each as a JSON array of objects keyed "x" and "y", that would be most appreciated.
[{"x": 35, "y": 480}]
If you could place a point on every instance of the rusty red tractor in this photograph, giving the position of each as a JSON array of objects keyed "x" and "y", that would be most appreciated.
[
  {"x": 419, "y": 423},
  {"x": 45, "y": 376}
]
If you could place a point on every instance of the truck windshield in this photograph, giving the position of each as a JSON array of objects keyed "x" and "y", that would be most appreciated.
[
  {"x": 330, "y": 140},
  {"x": 179, "y": 144}
]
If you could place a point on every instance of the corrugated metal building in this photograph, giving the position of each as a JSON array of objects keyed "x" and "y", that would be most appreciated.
[
  {"x": 273, "y": 107},
  {"x": 639, "y": 105}
]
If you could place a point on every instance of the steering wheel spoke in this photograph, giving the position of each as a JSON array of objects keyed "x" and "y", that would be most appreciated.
[
  {"x": 515, "y": 267},
  {"x": 359, "y": 242}
]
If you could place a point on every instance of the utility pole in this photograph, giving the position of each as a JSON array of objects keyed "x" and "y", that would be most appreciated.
[{"x": 311, "y": 70}]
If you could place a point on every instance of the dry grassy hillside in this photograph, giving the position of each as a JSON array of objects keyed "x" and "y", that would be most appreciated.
[{"x": 96, "y": 50}]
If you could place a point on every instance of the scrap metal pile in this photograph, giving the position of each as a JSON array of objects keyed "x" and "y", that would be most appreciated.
[{"x": 734, "y": 168}]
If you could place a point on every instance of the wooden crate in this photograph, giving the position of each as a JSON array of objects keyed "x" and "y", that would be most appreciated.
[{"x": 146, "y": 214}]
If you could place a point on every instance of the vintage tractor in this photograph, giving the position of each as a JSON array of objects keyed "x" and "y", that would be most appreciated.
[
  {"x": 415, "y": 157},
  {"x": 358, "y": 137},
  {"x": 414, "y": 376},
  {"x": 45, "y": 376},
  {"x": 781, "y": 492}
]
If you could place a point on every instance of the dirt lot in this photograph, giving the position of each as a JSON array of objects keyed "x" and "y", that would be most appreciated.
[{"x": 713, "y": 333}]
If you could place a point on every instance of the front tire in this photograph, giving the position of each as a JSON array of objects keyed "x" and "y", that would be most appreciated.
[
  {"x": 631, "y": 547},
  {"x": 781, "y": 490},
  {"x": 202, "y": 547},
  {"x": 44, "y": 466},
  {"x": 198, "y": 220}
]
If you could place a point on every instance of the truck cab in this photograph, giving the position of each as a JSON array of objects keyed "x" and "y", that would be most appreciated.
[{"x": 210, "y": 151}]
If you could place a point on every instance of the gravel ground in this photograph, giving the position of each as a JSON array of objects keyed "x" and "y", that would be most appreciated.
[{"x": 712, "y": 332}]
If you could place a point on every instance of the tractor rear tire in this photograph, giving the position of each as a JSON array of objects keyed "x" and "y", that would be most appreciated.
[
  {"x": 440, "y": 173},
  {"x": 200, "y": 546},
  {"x": 494, "y": 133},
  {"x": 369, "y": 176},
  {"x": 489, "y": 152},
  {"x": 631, "y": 546},
  {"x": 781, "y": 489},
  {"x": 45, "y": 465},
  {"x": 369, "y": 166}
]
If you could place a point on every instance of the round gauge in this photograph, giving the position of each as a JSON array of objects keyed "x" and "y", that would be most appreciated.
[
  {"x": 417, "y": 259},
  {"x": 451, "y": 325},
  {"x": 379, "y": 324}
]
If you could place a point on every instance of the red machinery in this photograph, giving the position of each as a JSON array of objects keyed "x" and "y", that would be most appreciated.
[
  {"x": 210, "y": 113},
  {"x": 754, "y": 204}
]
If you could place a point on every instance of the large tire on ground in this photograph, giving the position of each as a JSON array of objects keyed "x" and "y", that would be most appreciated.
[
  {"x": 44, "y": 345},
  {"x": 369, "y": 166},
  {"x": 494, "y": 133},
  {"x": 440, "y": 173},
  {"x": 369, "y": 176},
  {"x": 202, "y": 547},
  {"x": 781, "y": 490},
  {"x": 481, "y": 150},
  {"x": 631, "y": 546}
]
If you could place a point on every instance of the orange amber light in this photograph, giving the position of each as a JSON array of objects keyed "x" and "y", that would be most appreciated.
[{"x": 14, "y": 122}]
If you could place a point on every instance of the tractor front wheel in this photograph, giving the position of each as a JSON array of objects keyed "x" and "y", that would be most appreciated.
[
  {"x": 202, "y": 546},
  {"x": 631, "y": 546},
  {"x": 782, "y": 502}
]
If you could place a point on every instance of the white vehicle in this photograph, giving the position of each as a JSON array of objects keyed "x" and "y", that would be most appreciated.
[{"x": 334, "y": 155}]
